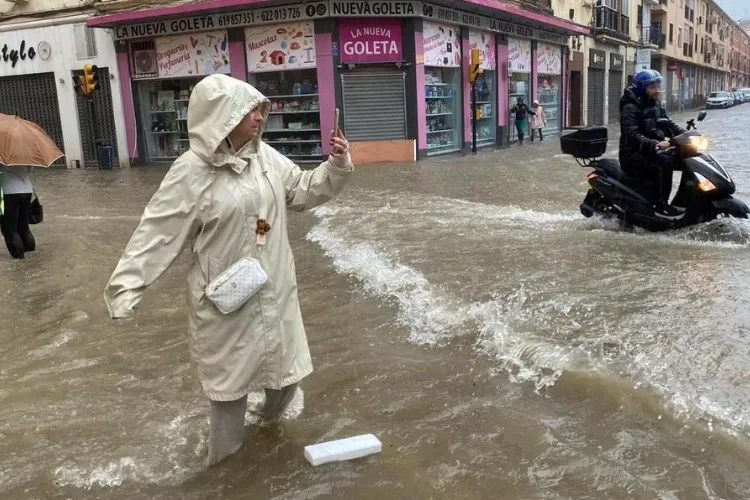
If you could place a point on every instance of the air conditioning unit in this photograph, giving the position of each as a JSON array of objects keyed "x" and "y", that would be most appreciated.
[{"x": 144, "y": 62}]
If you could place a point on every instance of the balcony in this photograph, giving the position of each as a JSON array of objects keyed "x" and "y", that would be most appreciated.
[
  {"x": 609, "y": 23},
  {"x": 650, "y": 36},
  {"x": 659, "y": 8}
]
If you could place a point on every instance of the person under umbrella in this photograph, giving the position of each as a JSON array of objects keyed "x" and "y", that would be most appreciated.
[{"x": 23, "y": 144}]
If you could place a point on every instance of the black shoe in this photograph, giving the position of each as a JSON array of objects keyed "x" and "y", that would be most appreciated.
[{"x": 668, "y": 212}]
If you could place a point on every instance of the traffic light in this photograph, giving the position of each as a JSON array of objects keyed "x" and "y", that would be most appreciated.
[
  {"x": 474, "y": 69},
  {"x": 78, "y": 84},
  {"x": 90, "y": 79}
]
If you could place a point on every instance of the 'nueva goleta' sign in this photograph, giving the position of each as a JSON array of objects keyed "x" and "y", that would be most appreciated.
[{"x": 335, "y": 8}]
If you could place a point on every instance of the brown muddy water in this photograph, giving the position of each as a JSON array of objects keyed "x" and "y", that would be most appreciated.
[{"x": 461, "y": 309}]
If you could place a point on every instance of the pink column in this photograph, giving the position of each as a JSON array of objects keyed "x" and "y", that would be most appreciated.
[
  {"x": 465, "y": 60},
  {"x": 502, "y": 84},
  {"x": 128, "y": 109},
  {"x": 534, "y": 74},
  {"x": 564, "y": 90},
  {"x": 326, "y": 90},
  {"x": 421, "y": 105},
  {"x": 238, "y": 60}
]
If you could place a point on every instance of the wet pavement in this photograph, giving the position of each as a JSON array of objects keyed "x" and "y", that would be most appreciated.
[{"x": 499, "y": 344}]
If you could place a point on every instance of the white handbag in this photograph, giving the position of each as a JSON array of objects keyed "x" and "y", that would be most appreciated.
[
  {"x": 243, "y": 279},
  {"x": 235, "y": 286}
]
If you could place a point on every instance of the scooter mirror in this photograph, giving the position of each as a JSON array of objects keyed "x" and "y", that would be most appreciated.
[{"x": 702, "y": 116}]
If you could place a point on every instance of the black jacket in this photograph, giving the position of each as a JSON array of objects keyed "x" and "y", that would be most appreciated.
[{"x": 639, "y": 134}]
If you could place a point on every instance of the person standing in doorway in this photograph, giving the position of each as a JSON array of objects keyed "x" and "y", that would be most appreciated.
[
  {"x": 538, "y": 120},
  {"x": 522, "y": 112},
  {"x": 17, "y": 190}
]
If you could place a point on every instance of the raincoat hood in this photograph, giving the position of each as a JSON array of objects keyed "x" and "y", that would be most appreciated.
[{"x": 217, "y": 104}]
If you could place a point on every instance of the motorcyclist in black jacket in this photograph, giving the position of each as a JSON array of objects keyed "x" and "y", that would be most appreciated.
[{"x": 643, "y": 145}]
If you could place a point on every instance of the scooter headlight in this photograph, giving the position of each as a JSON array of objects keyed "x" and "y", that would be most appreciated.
[
  {"x": 704, "y": 184},
  {"x": 699, "y": 143}
]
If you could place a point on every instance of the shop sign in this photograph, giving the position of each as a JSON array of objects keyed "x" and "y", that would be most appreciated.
[
  {"x": 597, "y": 59},
  {"x": 672, "y": 66},
  {"x": 265, "y": 15},
  {"x": 280, "y": 47},
  {"x": 616, "y": 62},
  {"x": 442, "y": 45},
  {"x": 643, "y": 60},
  {"x": 454, "y": 16},
  {"x": 548, "y": 59},
  {"x": 485, "y": 42},
  {"x": 370, "y": 40},
  {"x": 11, "y": 55},
  {"x": 192, "y": 55},
  {"x": 519, "y": 55},
  {"x": 386, "y": 8}
]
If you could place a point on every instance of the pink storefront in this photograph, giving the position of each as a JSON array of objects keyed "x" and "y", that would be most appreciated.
[{"x": 398, "y": 70}]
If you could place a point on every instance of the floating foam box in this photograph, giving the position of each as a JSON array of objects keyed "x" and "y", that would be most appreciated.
[{"x": 343, "y": 449}]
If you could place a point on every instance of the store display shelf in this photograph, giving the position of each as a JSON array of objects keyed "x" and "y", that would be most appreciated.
[
  {"x": 438, "y": 97},
  {"x": 440, "y": 131},
  {"x": 439, "y": 114},
  {"x": 440, "y": 146},
  {"x": 291, "y": 96},
  {"x": 294, "y": 112},
  {"x": 484, "y": 102},
  {"x": 488, "y": 117}
]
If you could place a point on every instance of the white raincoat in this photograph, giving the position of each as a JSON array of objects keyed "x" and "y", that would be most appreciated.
[{"x": 212, "y": 198}]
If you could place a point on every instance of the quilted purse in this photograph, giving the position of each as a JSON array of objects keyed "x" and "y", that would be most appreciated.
[{"x": 235, "y": 286}]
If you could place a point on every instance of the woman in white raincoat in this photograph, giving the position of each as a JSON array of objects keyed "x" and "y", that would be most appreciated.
[{"x": 228, "y": 197}]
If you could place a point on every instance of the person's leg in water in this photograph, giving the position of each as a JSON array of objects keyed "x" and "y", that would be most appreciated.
[
  {"x": 541, "y": 137},
  {"x": 9, "y": 223},
  {"x": 227, "y": 421},
  {"x": 24, "y": 231},
  {"x": 520, "y": 126},
  {"x": 664, "y": 164}
]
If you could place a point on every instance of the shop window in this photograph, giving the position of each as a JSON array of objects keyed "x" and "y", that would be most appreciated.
[
  {"x": 293, "y": 125},
  {"x": 164, "y": 105},
  {"x": 443, "y": 98}
]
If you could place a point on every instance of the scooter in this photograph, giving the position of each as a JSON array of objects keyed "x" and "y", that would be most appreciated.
[{"x": 705, "y": 191}]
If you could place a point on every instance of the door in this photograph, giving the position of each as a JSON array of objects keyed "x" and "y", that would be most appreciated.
[
  {"x": 615, "y": 93},
  {"x": 374, "y": 104},
  {"x": 34, "y": 98},
  {"x": 596, "y": 97},
  {"x": 576, "y": 91},
  {"x": 105, "y": 118}
]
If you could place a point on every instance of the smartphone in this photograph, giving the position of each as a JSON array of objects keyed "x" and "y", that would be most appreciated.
[{"x": 336, "y": 123}]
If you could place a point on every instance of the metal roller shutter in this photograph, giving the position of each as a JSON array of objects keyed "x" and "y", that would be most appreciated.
[
  {"x": 596, "y": 97},
  {"x": 615, "y": 92},
  {"x": 105, "y": 118},
  {"x": 374, "y": 104},
  {"x": 34, "y": 98}
]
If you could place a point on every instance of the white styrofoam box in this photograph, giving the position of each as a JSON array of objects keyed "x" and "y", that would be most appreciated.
[{"x": 343, "y": 449}]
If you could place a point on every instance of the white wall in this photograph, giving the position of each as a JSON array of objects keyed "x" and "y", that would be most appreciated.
[{"x": 63, "y": 61}]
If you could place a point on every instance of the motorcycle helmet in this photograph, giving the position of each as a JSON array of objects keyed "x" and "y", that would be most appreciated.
[{"x": 643, "y": 79}]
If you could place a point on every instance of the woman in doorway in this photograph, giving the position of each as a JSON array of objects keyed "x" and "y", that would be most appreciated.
[
  {"x": 522, "y": 112},
  {"x": 538, "y": 120}
]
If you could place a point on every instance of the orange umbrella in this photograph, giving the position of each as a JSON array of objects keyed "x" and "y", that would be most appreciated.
[{"x": 25, "y": 144}]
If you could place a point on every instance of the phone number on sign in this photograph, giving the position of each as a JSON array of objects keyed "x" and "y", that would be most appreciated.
[{"x": 264, "y": 16}]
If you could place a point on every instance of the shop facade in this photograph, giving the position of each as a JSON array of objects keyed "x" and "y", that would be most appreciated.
[
  {"x": 398, "y": 71},
  {"x": 36, "y": 83}
]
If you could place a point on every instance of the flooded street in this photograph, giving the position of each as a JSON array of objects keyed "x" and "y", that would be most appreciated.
[{"x": 461, "y": 309}]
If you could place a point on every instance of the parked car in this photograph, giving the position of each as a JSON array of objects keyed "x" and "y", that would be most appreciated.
[
  {"x": 719, "y": 100},
  {"x": 739, "y": 97},
  {"x": 746, "y": 94}
]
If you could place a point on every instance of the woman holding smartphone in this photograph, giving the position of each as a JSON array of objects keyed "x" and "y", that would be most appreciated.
[{"x": 228, "y": 198}]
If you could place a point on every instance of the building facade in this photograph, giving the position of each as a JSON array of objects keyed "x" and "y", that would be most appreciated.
[
  {"x": 43, "y": 46},
  {"x": 397, "y": 70}
]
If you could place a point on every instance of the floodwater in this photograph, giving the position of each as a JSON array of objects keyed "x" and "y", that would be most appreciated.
[{"x": 499, "y": 345}]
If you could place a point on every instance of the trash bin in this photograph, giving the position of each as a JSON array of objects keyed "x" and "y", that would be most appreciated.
[{"x": 106, "y": 154}]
